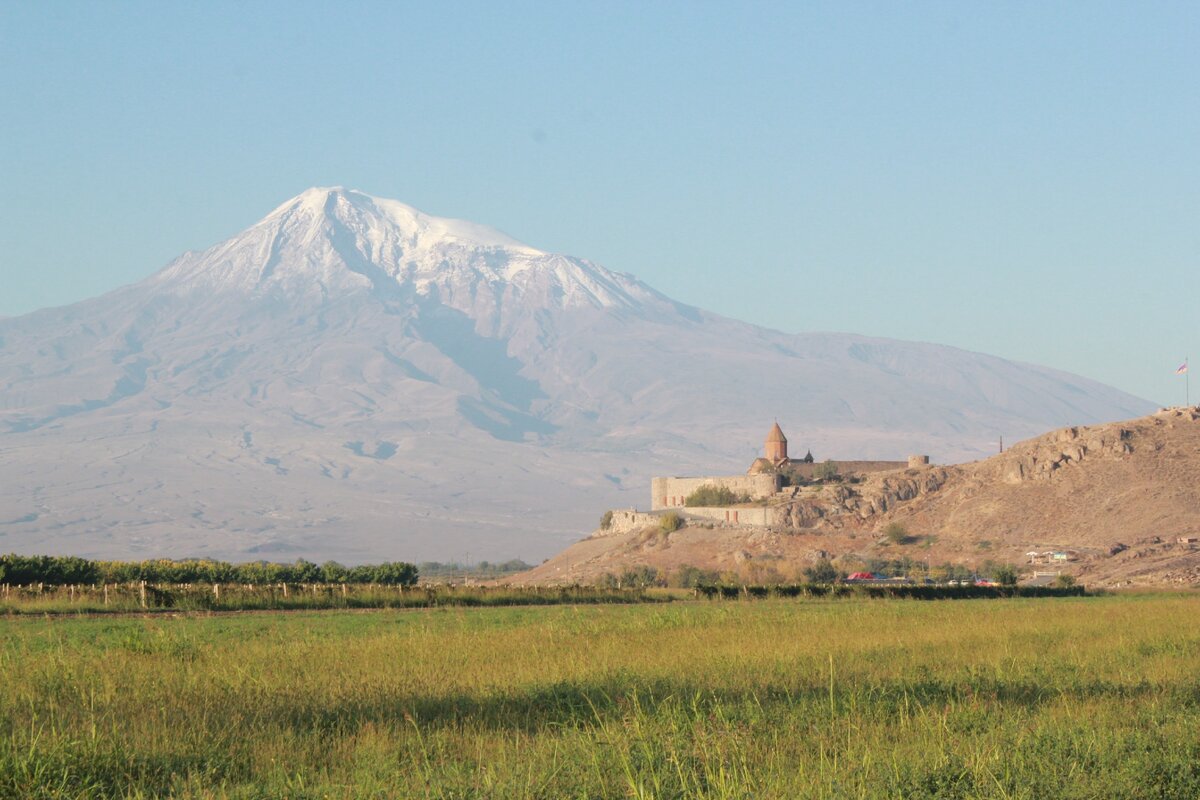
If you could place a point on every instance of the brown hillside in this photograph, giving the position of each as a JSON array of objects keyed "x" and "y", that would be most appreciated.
[{"x": 1114, "y": 498}]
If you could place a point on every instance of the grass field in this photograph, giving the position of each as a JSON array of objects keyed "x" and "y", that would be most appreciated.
[{"x": 1022, "y": 698}]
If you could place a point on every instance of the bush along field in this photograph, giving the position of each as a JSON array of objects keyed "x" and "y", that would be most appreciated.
[
  {"x": 146, "y": 597},
  {"x": 1069, "y": 697}
]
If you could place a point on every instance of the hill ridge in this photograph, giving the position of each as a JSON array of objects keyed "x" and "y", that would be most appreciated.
[{"x": 1117, "y": 500}]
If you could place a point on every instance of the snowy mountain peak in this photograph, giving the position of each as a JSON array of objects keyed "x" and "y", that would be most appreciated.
[
  {"x": 332, "y": 240},
  {"x": 350, "y": 206}
]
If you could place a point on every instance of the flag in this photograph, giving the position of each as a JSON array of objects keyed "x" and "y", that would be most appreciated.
[{"x": 1182, "y": 369}]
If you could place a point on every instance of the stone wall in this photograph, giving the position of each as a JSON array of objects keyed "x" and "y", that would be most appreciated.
[
  {"x": 762, "y": 517},
  {"x": 671, "y": 492},
  {"x": 846, "y": 467},
  {"x": 628, "y": 519},
  {"x": 625, "y": 520}
]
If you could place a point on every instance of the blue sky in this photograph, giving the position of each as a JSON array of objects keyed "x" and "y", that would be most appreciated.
[{"x": 1021, "y": 179}]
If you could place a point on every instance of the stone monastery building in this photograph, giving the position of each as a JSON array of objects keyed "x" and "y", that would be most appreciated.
[{"x": 766, "y": 476}]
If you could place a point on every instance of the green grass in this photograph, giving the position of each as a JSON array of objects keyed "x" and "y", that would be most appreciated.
[{"x": 1016, "y": 698}]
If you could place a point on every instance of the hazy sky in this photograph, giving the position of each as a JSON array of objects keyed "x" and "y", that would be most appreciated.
[{"x": 1021, "y": 179}]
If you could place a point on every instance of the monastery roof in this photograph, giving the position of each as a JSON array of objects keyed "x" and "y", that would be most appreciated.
[
  {"x": 776, "y": 434},
  {"x": 760, "y": 466}
]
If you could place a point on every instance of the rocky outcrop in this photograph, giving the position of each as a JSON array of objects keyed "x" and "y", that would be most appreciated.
[
  {"x": 1040, "y": 458},
  {"x": 845, "y": 505}
]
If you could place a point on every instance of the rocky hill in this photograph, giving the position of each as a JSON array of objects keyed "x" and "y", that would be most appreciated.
[{"x": 1114, "y": 500}]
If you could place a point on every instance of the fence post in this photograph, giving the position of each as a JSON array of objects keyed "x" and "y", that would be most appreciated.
[
  {"x": 285, "y": 590},
  {"x": 343, "y": 590},
  {"x": 143, "y": 592},
  {"x": 72, "y": 593},
  {"x": 106, "y": 594},
  {"x": 216, "y": 593}
]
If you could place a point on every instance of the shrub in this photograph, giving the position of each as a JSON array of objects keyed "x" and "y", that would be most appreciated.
[
  {"x": 689, "y": 577},
  {"x": 821, "y": 572},
  {"x": 896, "y": 533},
  {"x": 709, "y": 495},
  {"x": 1064, "y": 581},
  {"x": 670, "y": 521},
  {"x": 640, "y": 578},
  {"x": 606, "y": 520},
  {"x": 826, "y": 471}
]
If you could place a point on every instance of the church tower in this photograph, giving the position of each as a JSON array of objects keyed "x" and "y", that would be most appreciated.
[{"x": 776, "y": 447}]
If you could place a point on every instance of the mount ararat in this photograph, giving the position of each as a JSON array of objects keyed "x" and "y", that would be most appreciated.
[{"x": 353, "y": 379}]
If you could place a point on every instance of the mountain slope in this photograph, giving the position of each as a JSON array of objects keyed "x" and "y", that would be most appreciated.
[{"x": 353, "y": 378}]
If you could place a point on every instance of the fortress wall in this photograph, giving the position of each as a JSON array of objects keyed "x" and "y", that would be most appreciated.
[
  {"x": 762, "y": 517},
  {"x": 625, "y": 520},
  {"x": 628, "y": 519},
  {"x": 671, "y": 492},
  {"x": 848, "y": 467}
]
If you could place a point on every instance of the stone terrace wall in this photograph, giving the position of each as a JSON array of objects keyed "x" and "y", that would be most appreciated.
[
  {"x": 625, "y": 520},
  {"x": 628, "y": 519},
  {"x": 671, "y": 492},
  {"x": 762, "y": 517}
]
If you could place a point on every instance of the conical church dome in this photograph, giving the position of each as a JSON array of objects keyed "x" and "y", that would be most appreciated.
[{"x": 776, "y": 446}]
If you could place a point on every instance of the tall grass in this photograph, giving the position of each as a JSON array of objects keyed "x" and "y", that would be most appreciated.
[{"x": 1019, "y": 698}]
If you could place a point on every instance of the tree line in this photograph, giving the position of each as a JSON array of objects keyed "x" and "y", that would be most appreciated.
[
  {"x": 61, "y": 570},
  {"x": 481, "y": 570}
]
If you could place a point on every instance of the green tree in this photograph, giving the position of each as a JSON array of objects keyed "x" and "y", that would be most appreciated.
[
  {"x": 333, "y": 572},
  {"x": 1005, "y": 575},
  {"x": 394, "y": 573},
  {"x": 822, "y": 571}
]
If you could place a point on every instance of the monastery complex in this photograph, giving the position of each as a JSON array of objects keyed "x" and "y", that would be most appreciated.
[{"x": 767, "y": 476}]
